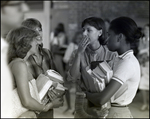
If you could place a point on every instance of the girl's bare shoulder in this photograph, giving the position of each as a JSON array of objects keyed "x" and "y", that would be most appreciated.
[{"x": 18, "y": 64}]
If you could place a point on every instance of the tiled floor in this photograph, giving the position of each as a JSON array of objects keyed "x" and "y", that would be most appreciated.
[{"x": 134, "y": 107}]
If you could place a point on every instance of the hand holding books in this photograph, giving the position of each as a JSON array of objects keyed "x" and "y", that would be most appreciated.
[
  {"x": 101, "y": 75},
  {"x": 55, "y": 91},
  {"x": 54, "y": 104},
  {"x": 50, "y": 86},
  {"x": 57, "y": 103}
]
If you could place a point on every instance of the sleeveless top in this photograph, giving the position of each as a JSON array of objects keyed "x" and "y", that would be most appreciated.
[
  {"x": 17, "y": 107},
  {"x": 11, "y": 64}
]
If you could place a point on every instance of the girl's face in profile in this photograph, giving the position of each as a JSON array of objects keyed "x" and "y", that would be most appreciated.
[
  {"x": 112, "y": 39},
  {"x": 39, "y": 38},
  {"x": 92, "y": 33},
  {"x": 34, "y": 45},
  {"x": 39, "y": 30}
]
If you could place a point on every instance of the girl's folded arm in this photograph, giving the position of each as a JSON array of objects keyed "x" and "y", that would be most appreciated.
[
  {"x": 101, "y": 98},
  {"x": 20, "y": 73}
]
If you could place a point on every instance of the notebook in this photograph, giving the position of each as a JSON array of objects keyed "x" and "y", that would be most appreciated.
[
  {"x": 46, "y": 85},
  {"x": 103, "y": 70},
  {"x": 54, "y": 76},
  {"x": 43, "y": 84}
]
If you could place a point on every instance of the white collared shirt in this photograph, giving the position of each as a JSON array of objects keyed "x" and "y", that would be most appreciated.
[{"x": 127, "y": 72}]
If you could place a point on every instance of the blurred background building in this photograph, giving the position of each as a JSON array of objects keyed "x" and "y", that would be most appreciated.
[{"x": 72, "y": 13}]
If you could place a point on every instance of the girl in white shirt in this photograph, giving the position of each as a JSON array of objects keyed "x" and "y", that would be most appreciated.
[{"x": 123, "y": 86}]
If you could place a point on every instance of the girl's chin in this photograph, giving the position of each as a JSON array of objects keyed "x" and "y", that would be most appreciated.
[{"x": 93, "y": 42}]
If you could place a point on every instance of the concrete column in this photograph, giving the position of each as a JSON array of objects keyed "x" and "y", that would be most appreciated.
[{"x": 46, "y": 11}]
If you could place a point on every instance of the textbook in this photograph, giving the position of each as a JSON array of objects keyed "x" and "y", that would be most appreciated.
[
  {"x": 43, "y": 84},
  {"x": 56, "y": 91},
  {"x": 101, "y": 74},
  {"x": 54, "y": 76},
  {"x": 103, "y": 70},
  {"x": 50, "y": 88}
]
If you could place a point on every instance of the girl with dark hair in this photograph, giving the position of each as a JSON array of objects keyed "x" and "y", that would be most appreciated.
[
  {"x": 123, "y": 85},
  {"x": 91, "y": 48},
  {"x": 58, "y": 46},
  {"x": 22, "y": 42},
  {"x": 59, "y": 36}
]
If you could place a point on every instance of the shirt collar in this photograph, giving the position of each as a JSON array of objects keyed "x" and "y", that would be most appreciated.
[
  {"x": 95, "y": 51},
  {"x": 125, "y": 54}
]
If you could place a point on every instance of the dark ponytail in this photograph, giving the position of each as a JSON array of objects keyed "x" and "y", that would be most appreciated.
[
  {"x": 128, "y": 27},
  {"x": 137, "y": 35}
]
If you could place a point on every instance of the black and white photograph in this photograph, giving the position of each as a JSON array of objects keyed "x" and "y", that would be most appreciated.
[{"x": 75, "y": 59}]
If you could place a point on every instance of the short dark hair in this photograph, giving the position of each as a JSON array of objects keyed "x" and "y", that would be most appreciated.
[
  {"x": 126, "y": 26},
  {"x": 19, "y": 40},
  {"x": 4, "y": 3},
  {"x": 59, "y": 28},
  {"x": 32, "y": 23},
  {"x": 99, "y": 24}
]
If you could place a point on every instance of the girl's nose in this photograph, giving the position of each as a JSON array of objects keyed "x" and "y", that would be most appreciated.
[{"x": 85, "y": 33}]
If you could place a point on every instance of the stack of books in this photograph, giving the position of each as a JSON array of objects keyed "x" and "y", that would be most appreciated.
[
  {"x": 54, "y": 76},
  {"x": 103, "y": 70},
  {"x": 101, "y": 75},
  {"x": 50, "y": 86}
]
